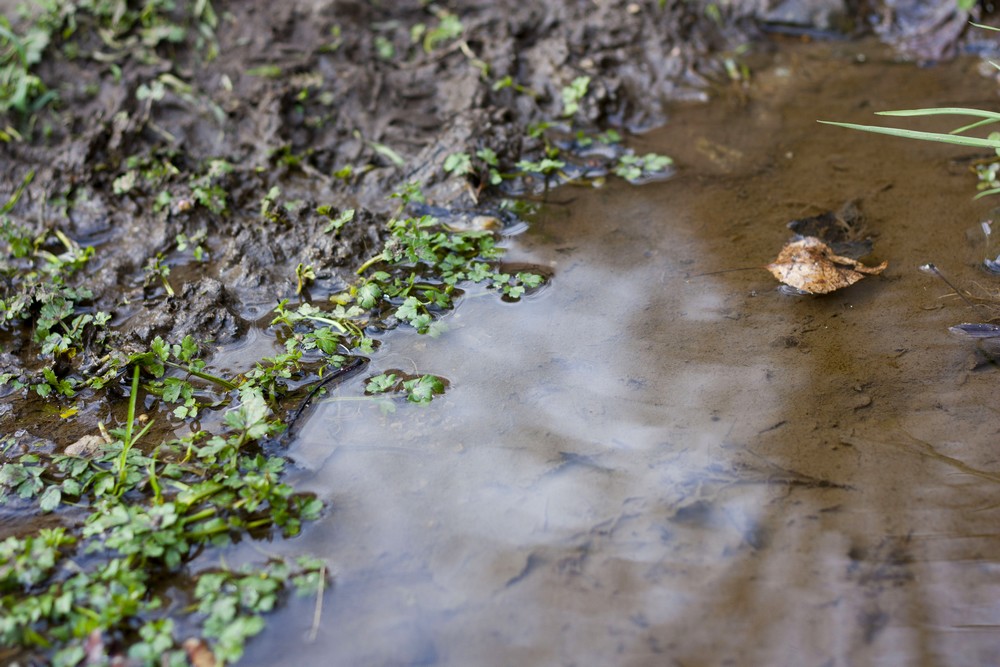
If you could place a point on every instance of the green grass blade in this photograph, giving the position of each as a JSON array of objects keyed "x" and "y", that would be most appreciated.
[
  {"x": 133, "y": 397},
  {"x": 16, "y": 43},
  {"x": 984, "y": 27},
  {"x": 214, "y": 379},
  {"x": 956, "y": 139},
  {"x": 941, "y": 111},
  {"x": 986, "y": 193},
  {"x": 972, "y": 126}
]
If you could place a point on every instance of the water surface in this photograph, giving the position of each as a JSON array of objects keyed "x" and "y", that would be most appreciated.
[{"x": 640, "y": 465}]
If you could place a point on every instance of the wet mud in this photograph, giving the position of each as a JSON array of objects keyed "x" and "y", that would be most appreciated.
[{"x": 645, "y": 465}]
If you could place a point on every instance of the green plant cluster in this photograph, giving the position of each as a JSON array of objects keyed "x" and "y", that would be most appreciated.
[
  {"x": 41, "y": 288},
  {"x": 149, "y": 507},
  {"x": 560, "y": 144},
  {"x": 20, "y": 89},
  {"x": 125, "y": 30},
  {"x": 421, "y": 389},
  {"x": 421, "y": 266},
  {"x": 149, "y": 513}
]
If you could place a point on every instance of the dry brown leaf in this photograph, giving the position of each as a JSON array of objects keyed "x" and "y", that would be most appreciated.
[
  {"x": 198, "y": 652},
  {"x": 810, "y": 265},
  {"x": 93, "y": 648}
]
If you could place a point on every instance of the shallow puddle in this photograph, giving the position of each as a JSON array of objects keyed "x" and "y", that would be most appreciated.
[{"x": 641, "y": 465}]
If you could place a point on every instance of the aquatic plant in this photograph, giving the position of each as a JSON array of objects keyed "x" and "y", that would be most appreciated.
[{"x": 150, "y": 513}]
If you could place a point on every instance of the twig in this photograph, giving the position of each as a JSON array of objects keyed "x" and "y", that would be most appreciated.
[
  {"x": 933, "y": 270},
  {"x": 318, "y": 609}
]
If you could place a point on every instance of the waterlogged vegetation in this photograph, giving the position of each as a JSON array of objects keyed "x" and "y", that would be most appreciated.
[
  {"x": 95, "y": 585},
  {"x": 150, "y": 507},
  {"x": 565, "y": 153},
  {"x": 181, "y": 460}
]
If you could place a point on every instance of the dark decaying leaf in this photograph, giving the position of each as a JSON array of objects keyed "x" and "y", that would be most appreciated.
[
  {"x": 843, "y": 224},
  {"x": 976, "y": 330},
  {"x": 810, "y": 265}
]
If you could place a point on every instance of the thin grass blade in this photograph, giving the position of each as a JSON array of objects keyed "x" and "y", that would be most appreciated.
[
  {"x": 972, "y": 126},
  {"x": 941, "y": 111},
  {"x": 984, "y": 27},
  {"x": 956, "y": 139}
]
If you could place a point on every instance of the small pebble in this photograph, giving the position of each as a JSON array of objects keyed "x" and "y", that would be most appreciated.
[{"x": 88, "y": 446}]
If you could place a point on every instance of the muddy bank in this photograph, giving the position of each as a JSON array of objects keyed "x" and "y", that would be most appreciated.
[{"x": 339, "y": 103}]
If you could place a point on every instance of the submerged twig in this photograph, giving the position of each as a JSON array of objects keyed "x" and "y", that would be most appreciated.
[
  {"x": 933, "y": 270},
  {"x": 336, "y": 374}
]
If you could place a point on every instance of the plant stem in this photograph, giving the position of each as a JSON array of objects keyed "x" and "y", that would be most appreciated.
[
  {"x": 133, "y": 398},
  {"x": 364, "y": 267},
  {"x": 214, "y": 379},
  {"x": 127, "y": 442}
]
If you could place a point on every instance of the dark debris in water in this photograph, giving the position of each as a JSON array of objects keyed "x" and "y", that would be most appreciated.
[
  {"x": 842, "y": 230},
  {"x": 823, "y": 255},
  {"x": 992, "y": 265},
  {"x": 976, "y": 331}
]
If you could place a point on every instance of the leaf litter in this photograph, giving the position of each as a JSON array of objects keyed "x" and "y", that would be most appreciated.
[
  {"x": 823, "y": 255},
  {"x": 810, "y": 265}
]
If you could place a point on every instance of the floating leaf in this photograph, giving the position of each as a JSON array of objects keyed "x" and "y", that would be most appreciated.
[{"x": 810, "y": 265}]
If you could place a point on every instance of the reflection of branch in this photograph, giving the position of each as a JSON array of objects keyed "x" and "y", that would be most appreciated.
[
  {"x": 318, "y": 609},
  {"x": 924, "y": 449},
  {"x": 336, "y": 374},
  {"x": 781, "y": 475}
]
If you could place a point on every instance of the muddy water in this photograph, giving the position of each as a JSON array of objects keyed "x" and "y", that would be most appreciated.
[{"x": 643, "y": 466}]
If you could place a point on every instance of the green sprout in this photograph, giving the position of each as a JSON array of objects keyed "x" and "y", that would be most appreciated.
[
  {"x": 304, "y": 275},
  {"x": 338, "y": 221},
  {"x": 157, "y": 268},
  {"x": 458, "y": 164},
  {"x": 448, "y": 28},
  {"x": 573, "y": 94},
  {"x": 20, "y": 89},
  {"x": 634, "y": 167},
  {"x": 543, "y": 166}
]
